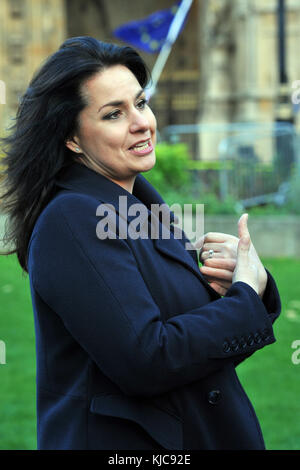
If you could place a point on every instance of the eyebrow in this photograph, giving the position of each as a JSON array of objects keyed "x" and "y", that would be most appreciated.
[{"x": 120, "y": 103}]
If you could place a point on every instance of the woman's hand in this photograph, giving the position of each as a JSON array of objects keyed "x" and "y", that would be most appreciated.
[
  {"x": 249, "y": 268},
  {"x": 219, "y": 269}
]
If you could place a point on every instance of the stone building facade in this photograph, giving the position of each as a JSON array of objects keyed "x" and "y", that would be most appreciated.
[
  {"x": 30, "y": 31},
  {"x": 223, "y": 68},
  {"x": 239, "y": 56}
]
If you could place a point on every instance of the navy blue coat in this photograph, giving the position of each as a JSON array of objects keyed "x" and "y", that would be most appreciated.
[{"x": 134, "y": 349}]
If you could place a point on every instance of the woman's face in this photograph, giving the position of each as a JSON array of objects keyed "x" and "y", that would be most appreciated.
[{"x": 117, "y": 129}]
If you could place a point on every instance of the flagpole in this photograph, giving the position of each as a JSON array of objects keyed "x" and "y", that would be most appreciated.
[{"x": 167, "y": 46}]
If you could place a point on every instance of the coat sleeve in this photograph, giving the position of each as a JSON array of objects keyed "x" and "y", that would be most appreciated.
[
  {"x": 272, "y": 303},
  {"x": 96, "y": 288}
]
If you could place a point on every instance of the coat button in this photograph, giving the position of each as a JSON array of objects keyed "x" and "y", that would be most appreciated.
[
  {"x": 257, "y": 338},
  {"x": 214, "y": 397},
  {"x": 250, "y": 340},
  {"x": 266, "y": 334},
  {"x": 234, "y": 345}
]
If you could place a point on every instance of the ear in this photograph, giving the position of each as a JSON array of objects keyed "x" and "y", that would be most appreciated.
[{"x": 73, "y": 146}]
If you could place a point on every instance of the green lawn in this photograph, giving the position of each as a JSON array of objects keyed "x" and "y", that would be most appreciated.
[
  {"x": 269, "y": 376},
  {"x": 17, "y": 376},
  {"x": 271, "y": 379}
]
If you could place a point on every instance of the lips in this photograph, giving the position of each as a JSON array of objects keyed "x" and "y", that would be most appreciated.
[
  {"x": 141, "y": 148},
  {"x": 141, "y": 145}
]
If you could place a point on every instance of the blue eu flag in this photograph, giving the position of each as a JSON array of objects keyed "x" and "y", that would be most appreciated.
[{"x": 150, "y": 33}]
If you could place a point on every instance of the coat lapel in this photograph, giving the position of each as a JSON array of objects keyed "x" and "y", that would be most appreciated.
[
  {"x": 175, "y": 249},
  {"x": 79, "y": 178}
]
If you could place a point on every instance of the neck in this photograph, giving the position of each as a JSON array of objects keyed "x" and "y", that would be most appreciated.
[{"x": 126, "y": 184}]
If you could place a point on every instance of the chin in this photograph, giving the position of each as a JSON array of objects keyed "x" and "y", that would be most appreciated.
[{"x": 149, "y": 164}]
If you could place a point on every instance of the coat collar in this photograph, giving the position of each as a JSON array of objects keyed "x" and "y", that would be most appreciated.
[{"x": 79, "y": 178}]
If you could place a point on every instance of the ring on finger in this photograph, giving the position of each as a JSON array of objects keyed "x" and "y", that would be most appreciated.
[{"x": 210, "y": 253}]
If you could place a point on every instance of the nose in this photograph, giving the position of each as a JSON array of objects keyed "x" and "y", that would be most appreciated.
[{"x": 139, "y": 122}]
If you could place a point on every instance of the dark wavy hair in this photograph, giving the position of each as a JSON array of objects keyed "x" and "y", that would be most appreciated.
[{"x": 35, "y": 150}]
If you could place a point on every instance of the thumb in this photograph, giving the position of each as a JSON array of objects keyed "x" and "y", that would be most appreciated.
[
  {"x": 244, "y": 235},
  {"x": 243, "y": 227},
  {"x": 244, "y": 245}
]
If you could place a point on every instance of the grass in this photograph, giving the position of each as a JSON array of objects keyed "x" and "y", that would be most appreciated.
[
  {"x": 269, "y": 376},
  {"x": 17, "y": 376}
]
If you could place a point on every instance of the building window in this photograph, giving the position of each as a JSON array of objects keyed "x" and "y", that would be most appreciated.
[{"x": 17, "y": 8}]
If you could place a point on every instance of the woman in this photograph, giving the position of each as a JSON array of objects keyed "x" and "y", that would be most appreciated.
[{"x": 135, "y": 349}]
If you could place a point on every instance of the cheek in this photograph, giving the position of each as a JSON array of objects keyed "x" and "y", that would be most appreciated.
[
  {"x": 114, "y": 139},
  {"x": 101, "y": 139},
  {"x": 89, "y": 135},
  {"x": 152, "y": 123}
]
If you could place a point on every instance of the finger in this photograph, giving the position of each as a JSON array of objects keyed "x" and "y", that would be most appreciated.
[
  {"x": 212, "y": 246},
  {"x": 222, "y": 263},
  {"x": 220, "y": 290},
  {"x": 199, "y": 243},
  {"x": 224, "y": 284},
  {"x": 217, "y": 237},
  {"x": 216, "y": 273},
  {"x": 205, "y": 255}
]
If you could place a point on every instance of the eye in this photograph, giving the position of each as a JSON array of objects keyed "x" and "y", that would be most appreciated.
[
  {"x": 142, "y": 104},
  {"x": 113, "y": 115}
]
